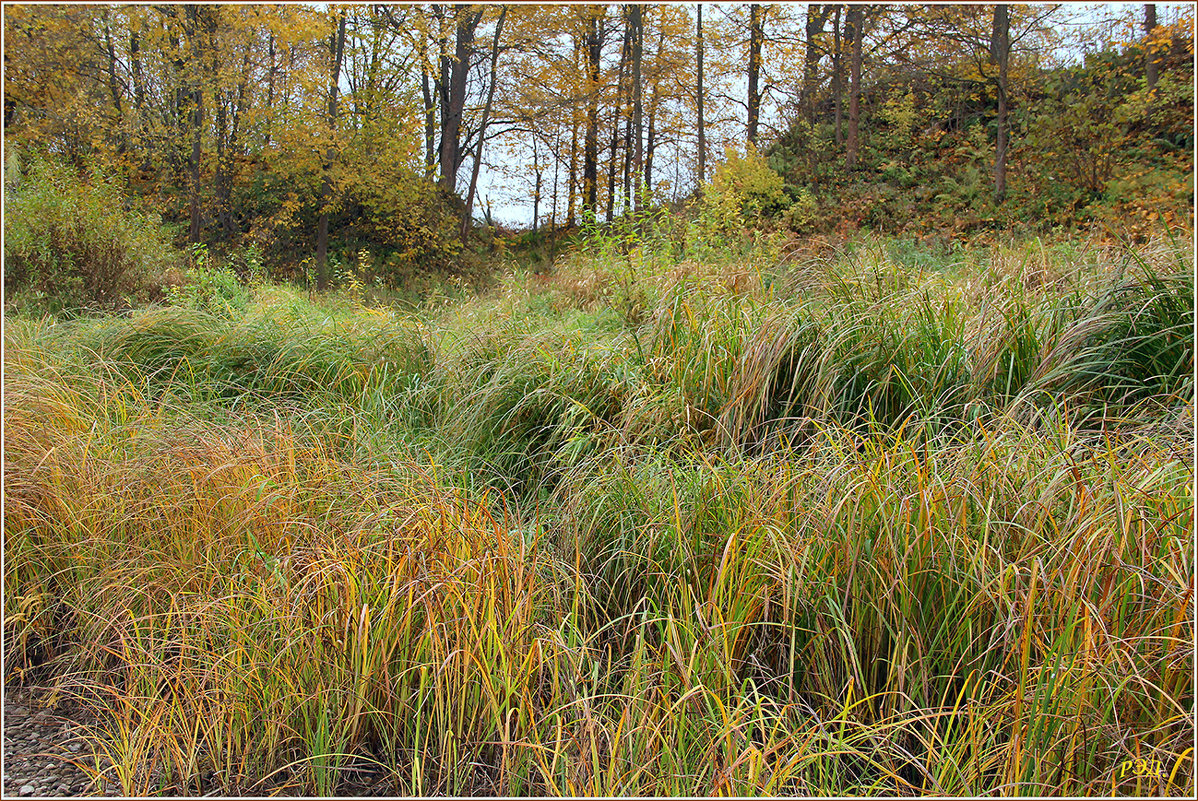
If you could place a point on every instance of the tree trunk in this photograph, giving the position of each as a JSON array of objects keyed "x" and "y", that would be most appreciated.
[
  {"x": 114, "y": 89},
  {"x": 239, "y": 108},
  {"x": 756, "y": 36},
  {"x": 651, "y": 130},
  {"x": 143, "y": 141},
  {"x": 337, "y": 51},
  {"x": 837, "y": 76},
  {"x": 286, "y": 96},
  {"x": 590, "y": 159},
  {"x": 816, "y": 17},
  {"x": 270, "y": 81},
  {"x": 1000, "y": 49},
  {"x": 650, "y": 133},
  {"x": 229, "y": 105},
  {"x": 699, "y": 98},
  {"x": 110, "y": 51},
  {"x": 615, "y": 127},
  {"x": 1151, "y": 69},
  {"x": 454, "y": 95},
  {"x": 178, "y": 112},
  {"x": 139, "y": 90},
  {"x": 628, "y": 155},
  {"x": 536, "y": 191},
  {"x": 855, "y": 20},
  {"x": 482, "y": 130},
  {"x": 612, "y": 160},
  {"x": 557, "y": 164},
  {"x": 572, "y": 180},
  {"x": 197, "y": 125},
  {"x": 430, "y": 121},
  {"x": 638, "y": 165},
  {"x": 222, "y": 179},
  {"x": 368, "y": 100}
]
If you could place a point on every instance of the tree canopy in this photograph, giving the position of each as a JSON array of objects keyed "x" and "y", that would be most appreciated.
[{"x": 275, "y": 123}]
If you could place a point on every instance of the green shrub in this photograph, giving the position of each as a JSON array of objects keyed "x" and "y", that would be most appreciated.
[
  {"x": 749, "y": 183},
  {"x": 73, "y": 242},
  {"x": 802, "y": 214},
  {"x": 214, "y": 289}
]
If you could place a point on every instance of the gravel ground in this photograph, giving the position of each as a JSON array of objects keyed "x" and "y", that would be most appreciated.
[{"x": 44, "y": 749}]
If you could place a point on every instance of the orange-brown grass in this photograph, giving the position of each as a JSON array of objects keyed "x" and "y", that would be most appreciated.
[{"x": 251, "y": 613}]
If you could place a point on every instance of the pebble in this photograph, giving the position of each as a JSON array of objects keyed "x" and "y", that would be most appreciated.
[{"x": 38, "y": 746}]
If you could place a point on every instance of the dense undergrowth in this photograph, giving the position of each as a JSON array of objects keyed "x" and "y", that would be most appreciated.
[{"x": 846, "y": 522}]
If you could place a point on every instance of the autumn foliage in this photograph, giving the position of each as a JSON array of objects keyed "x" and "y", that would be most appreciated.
[{"x": 827, "y": 431}]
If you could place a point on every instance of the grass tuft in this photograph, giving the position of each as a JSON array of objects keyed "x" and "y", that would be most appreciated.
[{"x": 907, "y": 527}]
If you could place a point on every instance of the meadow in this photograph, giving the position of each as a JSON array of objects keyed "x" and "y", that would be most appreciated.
[{"x": 867, "y": 517}]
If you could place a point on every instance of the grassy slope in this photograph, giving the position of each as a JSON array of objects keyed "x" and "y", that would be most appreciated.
[{"x": 641, "y": 527}]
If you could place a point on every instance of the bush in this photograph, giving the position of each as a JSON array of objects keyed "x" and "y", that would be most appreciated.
[
  {"x": 210, "y": 288},
  {"x": 72, "y": 243},
  {"x": 412, "y": 222},
  {"x": 803, "y": 212},
  {"x": 750, "y": 183}
]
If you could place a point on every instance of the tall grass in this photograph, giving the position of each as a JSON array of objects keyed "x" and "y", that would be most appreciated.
[{"x": 899, "y": 532}]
